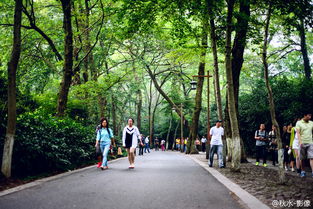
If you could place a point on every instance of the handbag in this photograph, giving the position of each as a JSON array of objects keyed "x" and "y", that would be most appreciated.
[{"x": 98, "y": 150}]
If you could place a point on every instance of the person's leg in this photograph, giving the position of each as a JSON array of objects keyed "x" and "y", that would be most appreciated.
[
  {"x": 298, "y": 161},
  {"x": 132, "y": 154},
  {"x": 128, "y": 155},
  {"x": 212, "y": 151},
  {"x": 273, "y": 156},
  {"x": 264, "y": 154},
  {"x": 106, "y": 149},
  {"x": 258, "y": 150},
  {"x": 220, "y": 156},
  {"x": 310, "y": 156}
]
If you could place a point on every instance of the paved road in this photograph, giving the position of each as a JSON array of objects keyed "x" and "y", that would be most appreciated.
[{"x": 160, "y": 180}]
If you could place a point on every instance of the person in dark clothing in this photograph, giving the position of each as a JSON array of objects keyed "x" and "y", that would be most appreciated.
[
  {"x": 141, "y": 144},
  {"x": 156, "y": 144},
  {"x": 286, "y": 141},
  {"x": 261, "y": 138},
  {"x": 273, "y": 145}
]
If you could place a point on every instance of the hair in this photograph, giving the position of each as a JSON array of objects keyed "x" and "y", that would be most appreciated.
[
  {"x": 101, "y": 121},
  {"x": 130, "y": 119},
  {"x": 307, "y": 113}
]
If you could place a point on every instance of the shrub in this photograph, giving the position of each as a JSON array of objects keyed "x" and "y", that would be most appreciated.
[{"x": 47, "y": 144}]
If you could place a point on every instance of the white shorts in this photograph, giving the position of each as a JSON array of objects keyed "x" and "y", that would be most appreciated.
[{"x": 295, "y": 144}]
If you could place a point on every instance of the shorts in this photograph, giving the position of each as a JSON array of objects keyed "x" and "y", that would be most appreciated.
[
  {"x": 295, "y": 144},
  {"x": 306, "y": 151}
]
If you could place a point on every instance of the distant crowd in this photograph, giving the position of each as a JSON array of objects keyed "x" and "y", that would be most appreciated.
[{"x": 297, "y": 144}]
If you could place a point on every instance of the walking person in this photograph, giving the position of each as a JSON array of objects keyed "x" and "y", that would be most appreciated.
[
  {"x": 286, "y": 141},
  {"x": 216, "y": 132},
  {"x": 294, "y": 143},
  {"x": 104, "y": 138},
  {"x": 147, "y": 146},
  {"x": 185, "y": 144},
  {"x": 304, "y": 130},
  {"x": 163, "y": 145},
  {"x": 130, "y": 141},
  {"x": 197, "y": 144},
  {"x": 141, "y": 144},
  {"x": 203, "y": 142},
  {"x": 273, "y": 144},
  {"x": 177, "y": 141},
  {"x": 156, "y": 144},
  {"x": 261, "y": 143}
]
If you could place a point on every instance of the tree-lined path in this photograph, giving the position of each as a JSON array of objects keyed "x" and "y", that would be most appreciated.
[{"x": 160, "y": 180}]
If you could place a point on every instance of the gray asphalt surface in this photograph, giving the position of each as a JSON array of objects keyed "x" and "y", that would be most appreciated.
[{"x": 160, "y": 180}]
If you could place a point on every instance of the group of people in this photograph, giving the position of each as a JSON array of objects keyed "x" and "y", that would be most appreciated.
[
  {"x": 131, "y": 139},
  {"x": 105, "y": 139},
  {"x": 297, "y": 144},
  {"x": 181, "y": 144}
]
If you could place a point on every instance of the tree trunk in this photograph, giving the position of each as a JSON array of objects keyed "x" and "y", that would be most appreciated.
[
  {"x": 12, "y": 68},
  {"x": 217, "y": 88},
  {"x": 164, "y": 95},
  {"x": 169, "y": 131},
  {"x": 304, "y": 51},
  {"x": 115, "y": 129},
  {"x": 139, "y": 106},
  {"x": 281, "y": 172},
  {"x": 235, "y": 164},
  {"x": 68, "y": 58},
  {"x": 175, "y": 134},
  {"x": 227, "y": 133},
  {"x": 237, "y": 55},
  {"x": 198, "y": 100}
]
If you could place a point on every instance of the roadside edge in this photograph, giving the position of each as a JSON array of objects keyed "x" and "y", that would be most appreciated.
[{"x": 245, "y": 198}]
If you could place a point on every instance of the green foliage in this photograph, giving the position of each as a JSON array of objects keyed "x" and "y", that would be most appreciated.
[
  {"x": 292, "y": 98},
  {"x": 47, "y": 144}
]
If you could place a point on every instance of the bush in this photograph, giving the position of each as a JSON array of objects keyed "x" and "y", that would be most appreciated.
[{"x": 45, "y": 143}]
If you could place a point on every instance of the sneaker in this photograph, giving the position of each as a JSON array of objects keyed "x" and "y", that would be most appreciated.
[
  {"x": 257, "y": 163},
  {"x": 264, "y": 165},
  {"x": 292, "y": 169},
  {"x": 210, "y": 165},
  {"x": 99, "y": 165},
  {"x": 302, "y": 174},
  {"x": 286, "y": 169}
]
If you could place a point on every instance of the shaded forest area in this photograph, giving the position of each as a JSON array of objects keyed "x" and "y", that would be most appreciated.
[{"x": 64, "y": 64}]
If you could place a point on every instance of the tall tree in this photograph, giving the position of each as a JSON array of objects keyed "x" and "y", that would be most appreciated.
[
  {"x": 304, "y": 50},
  {"x": 236, "y": 151},
  {"x": 201, "y": 69},
  {"x": 281, "y": 171},
  {"x": 68, "y": 58},
  {"x": 12, "y": 68},
  {"x": 237, "y": 60}
]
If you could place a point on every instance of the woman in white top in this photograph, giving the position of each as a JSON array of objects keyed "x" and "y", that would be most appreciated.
[
  {"x": 294, "y": 141},
  {"x": 130, "y": 141}
]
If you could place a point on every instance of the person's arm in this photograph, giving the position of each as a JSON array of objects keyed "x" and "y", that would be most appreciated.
[
  {"x": 292, "y": 137},
  {"x": 298, "y": 129},
  {"x": 97, "y": 138},
  {"x": 124, "y": 137},
  {"x": 112, "y": 139},
  {"x": 256, "y": 136}
]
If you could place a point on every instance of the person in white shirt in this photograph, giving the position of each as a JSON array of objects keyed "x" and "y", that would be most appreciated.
[
  {"x": 130, "y": 141},
  {"x": 216, "y": 133},
  {"x": 147, "y": 147},
  {"x": 203, "y": 141}
]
